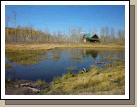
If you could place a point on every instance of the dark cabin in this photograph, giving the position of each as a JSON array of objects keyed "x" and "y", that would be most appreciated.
[
  {"x": 89, "y": 38},
  {"x": 95, "y": 38}
]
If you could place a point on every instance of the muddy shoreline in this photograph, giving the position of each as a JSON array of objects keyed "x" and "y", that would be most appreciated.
[{"x": 24, "y": 87}]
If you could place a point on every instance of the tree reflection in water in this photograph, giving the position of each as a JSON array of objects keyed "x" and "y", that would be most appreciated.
[{"x": 91, "y": 53}]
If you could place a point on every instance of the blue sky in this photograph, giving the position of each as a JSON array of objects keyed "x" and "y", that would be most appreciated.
[{"x": 62, "y": 18}]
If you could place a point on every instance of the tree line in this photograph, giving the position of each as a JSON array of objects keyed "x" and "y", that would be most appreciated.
[
  {"x": 75, "y": 35},
  {"x": 31, "y": 35}
]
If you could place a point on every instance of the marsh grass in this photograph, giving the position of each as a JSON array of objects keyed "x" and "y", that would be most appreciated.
[
  {"x": 107, "y": 80},
  {"x": 67, "y": 45},
  {"x": 41, "y": 83},
  {"x": 24, "y": 56}
]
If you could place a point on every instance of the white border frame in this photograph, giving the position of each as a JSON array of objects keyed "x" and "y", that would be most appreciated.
[{"x": 126, "y": 3}]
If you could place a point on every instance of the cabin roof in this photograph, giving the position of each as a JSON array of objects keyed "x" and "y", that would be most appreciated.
[
  {"x": 90, "y": 37},
  {"x": 95, "y": 36}
]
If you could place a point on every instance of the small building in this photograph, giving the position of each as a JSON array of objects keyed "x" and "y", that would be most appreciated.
[{"x": 89, "y": 38}]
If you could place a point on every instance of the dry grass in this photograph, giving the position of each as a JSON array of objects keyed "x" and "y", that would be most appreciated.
[
  {"x": 51, "y": 46},
  {"x": 24, "y": 56},
  {"x": 108, "y": 80}
]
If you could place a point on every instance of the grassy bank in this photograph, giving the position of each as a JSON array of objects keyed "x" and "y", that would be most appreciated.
[
  {"x": 52, "y": 46},
  {"x": 107, "y": 80}
]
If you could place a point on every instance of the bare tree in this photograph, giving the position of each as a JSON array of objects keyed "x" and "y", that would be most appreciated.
[
  {"x": 102, "y": 34},
  {"x": 75, "y": 34},
  {"x": 14, "y": 19},
  {"x": 121, "y": 36}
]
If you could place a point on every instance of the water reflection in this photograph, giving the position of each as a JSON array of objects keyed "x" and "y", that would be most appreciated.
[
  {"x": 91, "y": 53},
  {"x": 55, "y": 55},
  {"x": 76, "y": 55}
]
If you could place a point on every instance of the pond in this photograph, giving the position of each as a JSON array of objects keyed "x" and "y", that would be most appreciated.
[{"x": 57, "y": 62}]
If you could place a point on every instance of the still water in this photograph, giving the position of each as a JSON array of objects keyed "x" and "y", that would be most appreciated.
[{"x": 57, "y": 62}]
